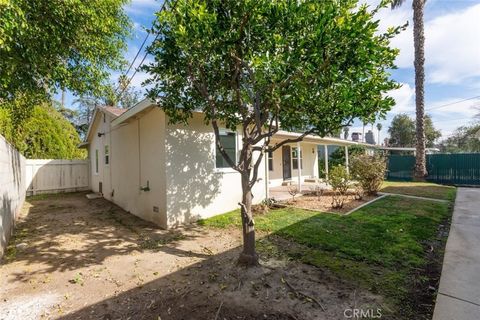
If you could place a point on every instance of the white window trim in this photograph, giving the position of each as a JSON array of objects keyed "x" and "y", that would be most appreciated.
[
  {"x": 270, "y": 168},
  {"x": 228, "y": 169},
  {"x": 299, "y": 159}
]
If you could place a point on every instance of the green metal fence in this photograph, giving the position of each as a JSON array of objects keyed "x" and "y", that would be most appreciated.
[
  {"x": 458, "y": 169},
  {"x": 400, "y": 168}
]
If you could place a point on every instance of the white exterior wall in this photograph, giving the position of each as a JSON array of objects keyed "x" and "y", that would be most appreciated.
[
  {"x": 195, "y": 188},
  {"x": 12, "y": 189},
  {"x": 177, "y": 161},
  {"x": 309, "y": 159},
  {"x": 53, "y": 176},
  {"x": 136, "y": 156},
  {"x": 97, "y": 143}
]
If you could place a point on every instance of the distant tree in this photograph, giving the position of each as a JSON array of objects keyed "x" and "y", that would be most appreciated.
[
  {"x": 431, "y": 134},
  {"x": 402, "y": 132},
  {"x": 379, "y": 128},
  {"x": 464, "y": 139},
  {"x": 311, "y": 66},
  {"x": 85, "y": 108},
  {"x": 128, "y": 96}
]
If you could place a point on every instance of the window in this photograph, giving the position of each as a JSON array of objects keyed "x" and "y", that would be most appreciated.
[
  {"x": 228, "y": 141},
  {"x": 270, "y": 160},
  {"x": 107, "y": 155},
  {"x": 96, "y": 160},
  {"x": 295, "y": 159}
]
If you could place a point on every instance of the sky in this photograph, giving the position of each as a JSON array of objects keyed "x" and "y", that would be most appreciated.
[{"x": 452, "y": 59}]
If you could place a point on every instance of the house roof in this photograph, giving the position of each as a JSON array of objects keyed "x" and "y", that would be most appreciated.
[
  {"x": 314, "y": 139},
  {"x": 141, "y": 107},
  {"x": 113, "y": 111}
]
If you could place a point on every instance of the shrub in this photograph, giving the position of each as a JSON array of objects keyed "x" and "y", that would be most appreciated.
[
  {"x": 339, "y": 180},
  {"x": 369, "y": 171},
  {"x": 338, "y": 156}
]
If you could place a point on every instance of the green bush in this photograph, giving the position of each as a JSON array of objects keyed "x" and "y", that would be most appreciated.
[
  {"x": 369, "y": 171},
  {"x": 339, "y": 180},
  {"x": 43, "y": 134}
]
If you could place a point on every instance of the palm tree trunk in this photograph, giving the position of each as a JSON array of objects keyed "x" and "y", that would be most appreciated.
[{"x": 419, "y": 44}]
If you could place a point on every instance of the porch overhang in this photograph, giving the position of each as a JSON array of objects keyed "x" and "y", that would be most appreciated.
[{"x": 282, "y": 135}]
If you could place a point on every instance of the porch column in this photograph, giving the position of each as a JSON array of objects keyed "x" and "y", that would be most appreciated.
[
  {"x": 315, "y": 162},
  {"x": 325, "y": 149},
  {"x": 267, "y": 175},
  {"x": 299, "y": 165},
  {"x": 346, "y": 159}
]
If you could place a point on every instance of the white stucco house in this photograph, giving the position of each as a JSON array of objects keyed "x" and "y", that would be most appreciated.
[{"x": 172, "y": 174}]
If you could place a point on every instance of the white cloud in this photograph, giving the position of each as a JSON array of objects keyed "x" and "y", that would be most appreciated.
[
  {"x": 404, "y": 99},
  {"x": 452, "y": 46}
]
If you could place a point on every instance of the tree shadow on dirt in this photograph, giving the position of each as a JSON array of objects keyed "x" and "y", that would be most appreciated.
[
  {"x": 67, "y": 232},
  {"x": 216, "y": 288}
]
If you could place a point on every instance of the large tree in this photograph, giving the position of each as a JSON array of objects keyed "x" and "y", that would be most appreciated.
[
  {"x": 464, "y": 139},
  {"x": 52, "y": 45},
  {"x": 419, "y": 64},
  {"x": 402, "y": 132},
  {"x": 47, "y": 134},
  {"x": 251, "y": 66}
]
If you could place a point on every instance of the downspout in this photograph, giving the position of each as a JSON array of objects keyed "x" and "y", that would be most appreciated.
[{"x": 139, "y": 157}]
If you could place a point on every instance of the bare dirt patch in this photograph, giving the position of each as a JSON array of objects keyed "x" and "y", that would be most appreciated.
[
  {"x": 89, "y": 259},
  {"x": 324, "y": 202}
]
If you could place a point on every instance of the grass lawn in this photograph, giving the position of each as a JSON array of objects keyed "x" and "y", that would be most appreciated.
[
  {"x": 392, "y": 247},
  {"x": 420, "y": 189}
]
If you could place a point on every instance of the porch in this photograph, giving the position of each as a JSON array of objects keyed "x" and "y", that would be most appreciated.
[{"x": 298, "y": 163}]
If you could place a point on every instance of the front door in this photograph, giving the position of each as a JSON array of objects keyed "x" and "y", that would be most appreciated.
[{"x": 286, "y": 160}]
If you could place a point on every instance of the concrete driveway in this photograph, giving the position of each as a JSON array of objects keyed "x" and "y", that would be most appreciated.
[{"x": 459, "y": 292}]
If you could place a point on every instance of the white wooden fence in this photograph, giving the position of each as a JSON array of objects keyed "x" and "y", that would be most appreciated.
[{"x": 53, "y": 176}]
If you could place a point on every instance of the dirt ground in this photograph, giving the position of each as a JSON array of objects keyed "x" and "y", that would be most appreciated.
[
  {"x": 324, "y": 202},
  {"x": 74, "y": 258}
]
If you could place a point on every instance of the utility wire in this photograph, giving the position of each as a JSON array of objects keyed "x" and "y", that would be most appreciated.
[
  {"x": 146, "y": 53},
  {"x": 452, "y": 103}
]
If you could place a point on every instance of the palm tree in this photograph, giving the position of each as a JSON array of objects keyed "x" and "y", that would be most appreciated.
[
  {"x": 419, "y": 45},
  {"x": 379, "y": 128}
]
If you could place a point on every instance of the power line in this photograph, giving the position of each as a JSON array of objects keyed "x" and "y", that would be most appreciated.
[
  {"x": 451, "y": 103},
  {"x": 138, "y": 52},
  {"x": 146, "y": 53},
  {"x": 444, "y": 105}
]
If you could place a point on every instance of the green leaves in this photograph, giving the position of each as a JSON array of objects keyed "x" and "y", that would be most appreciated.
[
  {"x": 309, "y": 64},
  {"x": 50, "y": 44}
]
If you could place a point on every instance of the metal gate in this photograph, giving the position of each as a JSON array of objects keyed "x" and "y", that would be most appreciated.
[{"x": 457, "y": 169}]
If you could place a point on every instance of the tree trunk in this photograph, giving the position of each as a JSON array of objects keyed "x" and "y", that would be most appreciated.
[
  {"x": 249, "y": 256},
  {"x": 419, "y": 44}
]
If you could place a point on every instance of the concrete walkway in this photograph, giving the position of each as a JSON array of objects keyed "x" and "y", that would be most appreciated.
[{"x": 459, "y": 292}]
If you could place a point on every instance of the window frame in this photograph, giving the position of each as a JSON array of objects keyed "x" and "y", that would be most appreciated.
[
  {"x": 270, "y": 160},
  {"x": 96, "y": 162},
  {"x": 297, "y": 158},
  {"x": 106, "y": 158},
  {"x": 228, "y": 168}
]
